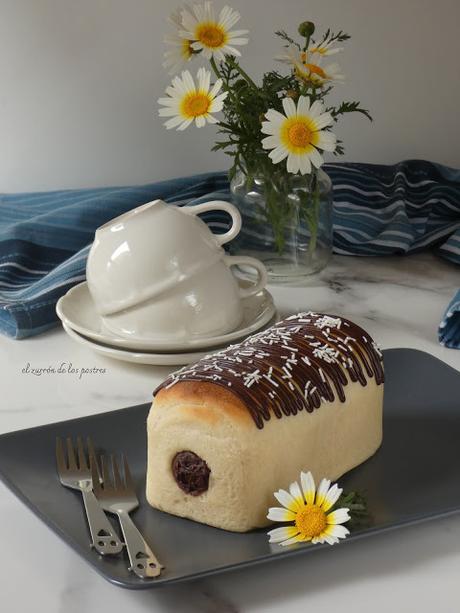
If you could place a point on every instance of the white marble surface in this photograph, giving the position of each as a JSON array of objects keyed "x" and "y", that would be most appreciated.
[{"x": 400, "y": 302}]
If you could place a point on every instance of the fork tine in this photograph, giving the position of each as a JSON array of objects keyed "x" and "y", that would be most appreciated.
[
  {"x": 81, "y": 455},
  {"x": 128, "y": 478},
  {"x": 71, "y": 454},
  {"x": 107, "y": 481},
  {"x": 95, "y": 476},
  {"x": 60, "y": 456},
  {"x": 119, "y": 485},
  {"x": 90, "y": 446}
]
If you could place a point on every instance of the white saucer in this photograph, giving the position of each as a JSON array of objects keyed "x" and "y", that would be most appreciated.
[
  {"x": 125, "y": 355},
  {"x": 76, "y": 309}
]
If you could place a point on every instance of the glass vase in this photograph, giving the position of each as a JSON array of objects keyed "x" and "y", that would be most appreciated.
[{"x": 287, "y": 222}]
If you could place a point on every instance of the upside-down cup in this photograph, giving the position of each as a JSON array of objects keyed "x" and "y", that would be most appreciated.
[
  {"x": 206, "y": 304},
  {"x": 150, "y": 250}
]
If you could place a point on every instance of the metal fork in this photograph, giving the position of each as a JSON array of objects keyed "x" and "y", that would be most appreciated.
[
  {"x": 118, "y": 496},
  {"x": 78, "y": 477}
]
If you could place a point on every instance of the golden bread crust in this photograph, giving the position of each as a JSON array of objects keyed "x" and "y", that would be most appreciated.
[{"x": 204, "y": 400}]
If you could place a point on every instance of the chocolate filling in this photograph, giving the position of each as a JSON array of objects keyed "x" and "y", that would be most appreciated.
[{"x": 190, "y": 472}]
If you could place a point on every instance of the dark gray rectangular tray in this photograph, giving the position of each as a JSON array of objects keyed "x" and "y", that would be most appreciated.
[{"x": 414, "y": 476}]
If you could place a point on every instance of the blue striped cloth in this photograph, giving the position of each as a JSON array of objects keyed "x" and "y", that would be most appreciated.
[
  {"x": 378, "y": 210},
  {"x": 449, "y": 328}
]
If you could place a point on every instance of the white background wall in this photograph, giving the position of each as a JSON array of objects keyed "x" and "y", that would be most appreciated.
[{"x": 79, "y": 81}]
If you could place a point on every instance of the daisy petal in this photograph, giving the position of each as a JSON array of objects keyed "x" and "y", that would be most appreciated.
[
  {"x": 316, "y": 108},
  {"x": 274, "y": 116},
  {"x": 174, "y": 122},
  {"x": 323, "y": 120},
  {"x": 323, "y": 488},
  {"x": 280, "y": 514},
  {"x": 303, "y": 106},
  {"x": 296, "y": 493},
  {"x": 338, "y": 532},
  {"x": 292, "y": 541},
  {"x": 216, "y": 88},
  {"x": 270, "y": 142},
  {"x": 316, "y": 158},
  {"x": 289, "y": 107},
  {"x": 287, "y": 500},
  {"x": 305, "y": 165},
  {"x": 308, "y": 487},
  {"x": 327, "y": 141},
  {"x": 339, "y": 516},
  {"x": 331, "y": 497},
  {"x": 186, "y": 124},
  {"x": 293, "y": 163},
  {"x": 279, "y": 154},
  {"x": 269, "y": 128},
  {"x": 281, "y": 534}
]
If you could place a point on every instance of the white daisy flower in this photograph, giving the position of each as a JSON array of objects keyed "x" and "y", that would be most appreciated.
[
  {"x": 308, "y": 68},
  {"x": 309, "y": 510},
  {"x": 212, "y": 36},
  {"x": 298, "y": 134},
  {"x": 182, "y": 51},
  {"x": 187, "y": 101}
]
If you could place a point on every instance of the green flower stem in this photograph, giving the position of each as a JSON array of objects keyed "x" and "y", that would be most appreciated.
[
  {"x": 225, "y": 86},
  {"x": 243, "y": 73},
  {"x": 314, "y": 217},
  {"x": 212, "y": 61}
]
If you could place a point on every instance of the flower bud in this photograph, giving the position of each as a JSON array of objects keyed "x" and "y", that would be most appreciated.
[{"x": 306, "y": 28}]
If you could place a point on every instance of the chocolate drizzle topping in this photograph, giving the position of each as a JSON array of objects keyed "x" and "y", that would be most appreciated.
[{"x": 295, "y": 365}]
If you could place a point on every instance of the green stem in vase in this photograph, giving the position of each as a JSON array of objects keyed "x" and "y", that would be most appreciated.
[{"x": 313, "y": 218}]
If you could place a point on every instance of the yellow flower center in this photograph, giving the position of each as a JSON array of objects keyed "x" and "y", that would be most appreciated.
[
  {"x": 211, "y": 35},
  {"x": 316, "y": 70},
  {"x": 310, "y": 521},
  {"x": 195, "y": 104},
  {"x": 299, "y": 135}
]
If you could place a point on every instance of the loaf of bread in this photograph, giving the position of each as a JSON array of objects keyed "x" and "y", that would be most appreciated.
[{"x": 227, "y": 432}]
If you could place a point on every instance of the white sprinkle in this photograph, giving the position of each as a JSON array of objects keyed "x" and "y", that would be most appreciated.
[
  {"x": 328, "y": 322},
  {"x": 291, "y": 387},
  {"x": 289, "y": 348},
  {"x": 306, "y": 360},
  {"x": 321, "y": 374},
  {"x": 252, "y": 377}
]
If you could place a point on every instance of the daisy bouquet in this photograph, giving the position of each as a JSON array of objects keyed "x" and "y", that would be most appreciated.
[{"x": 278, "y": 127}]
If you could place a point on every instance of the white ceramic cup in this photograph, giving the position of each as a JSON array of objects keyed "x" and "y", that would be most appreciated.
[
  {"x": 205, "y": 304},
  {"x": 149, "y": 250}
]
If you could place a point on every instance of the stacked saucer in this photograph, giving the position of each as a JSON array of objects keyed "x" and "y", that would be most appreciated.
[
  {"x": 83, "y": 324},
  {"x": 160, "y": 289}
]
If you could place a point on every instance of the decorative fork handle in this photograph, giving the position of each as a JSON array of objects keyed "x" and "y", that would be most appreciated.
[
  {"x": 142, "y": 559},
  {"x": 103, "y": 537}
]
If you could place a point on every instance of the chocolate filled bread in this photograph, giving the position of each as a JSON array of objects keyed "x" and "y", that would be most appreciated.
[{"x": 228, "y": 431}]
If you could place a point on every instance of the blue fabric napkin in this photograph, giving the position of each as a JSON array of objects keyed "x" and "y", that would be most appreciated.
[
  {"x": 449, "y": 328},
  {"x": 378, "y": 210}
]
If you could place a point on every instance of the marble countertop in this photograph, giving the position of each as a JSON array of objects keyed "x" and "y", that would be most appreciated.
[{"x": 400, "y": 302}]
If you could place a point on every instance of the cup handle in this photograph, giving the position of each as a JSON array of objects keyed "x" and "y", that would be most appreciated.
[
  {"x": 261, "y": 282},
  {"x": 218, "y": 205}
]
